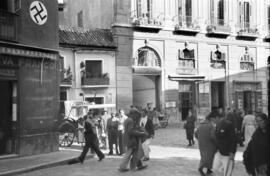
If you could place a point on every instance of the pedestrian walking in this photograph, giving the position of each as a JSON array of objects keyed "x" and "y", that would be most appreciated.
[
  {"x": 91, "y": 139},
  {"x": 248, "y": 126},
  {"x": 239, "y": 132},
  {"x": 190, "y": 126},
  {"x": 121, "y": 119},
  {"x": 132, "y": 136},
  {"x": 226, "y": 147},
  {"x": 112, "y": 130},
  {"x": 207, "y": 144},
  {"x": 256, "y": 156},
  {"x": 148, "y": 126}
]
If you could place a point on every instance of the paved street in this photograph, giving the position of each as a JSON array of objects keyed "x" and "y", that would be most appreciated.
[{"x": 169, "y": 156}]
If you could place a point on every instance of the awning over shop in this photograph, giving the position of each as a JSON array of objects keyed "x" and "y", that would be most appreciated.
[
  {"x": 186, "y": 77},
  {"x": 144, "y": 70}
]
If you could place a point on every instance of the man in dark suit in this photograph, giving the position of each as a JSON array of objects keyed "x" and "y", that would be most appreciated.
[
  {"x": 226, "y": 146},
  {"x": 91, "y": 140},
  {"x": 132, "y": 136},
  {"x": 147, "y": 124}
]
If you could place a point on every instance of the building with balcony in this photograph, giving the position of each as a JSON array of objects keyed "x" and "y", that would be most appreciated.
[
  {"x": 28, "y": 77},
  {"x": 87, "y": 64},
  {"x": 186, "y": 54}
]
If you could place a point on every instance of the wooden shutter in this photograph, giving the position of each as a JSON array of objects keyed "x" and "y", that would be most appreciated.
[
  {"x": 246, "y": 14},
  {"x": 188, "y": 8},
  {"x": 212, "y": 11},
  {"x": 144, "y": 7},
  {"x": 220, "y": 13},
  {"x": 150, "y": 8},
  {"x": 241, "y": 15},
  {"x": 139, "y": 8}
]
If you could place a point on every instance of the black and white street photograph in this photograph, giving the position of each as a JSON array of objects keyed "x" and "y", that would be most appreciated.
[{"x": 134, "y": 87}]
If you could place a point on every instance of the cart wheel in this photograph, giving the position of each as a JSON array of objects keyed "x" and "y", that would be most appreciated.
[
  {"x": 66, "y": 134},
  {"x": 66, "y": 139}
]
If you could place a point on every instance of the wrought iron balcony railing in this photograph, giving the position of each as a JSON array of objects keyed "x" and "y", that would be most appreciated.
[
  {"x": 246, "y": 29},
  {"x": 146, "y": 22},
  {"x": 95, "y": 81},
  {"x": 8, "y": 26},
  {"x": 218, "y": 26},
  {"x": 187, "y": 22}
]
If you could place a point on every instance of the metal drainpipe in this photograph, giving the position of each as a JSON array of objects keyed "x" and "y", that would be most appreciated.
[{"x": 74, "y": 67}]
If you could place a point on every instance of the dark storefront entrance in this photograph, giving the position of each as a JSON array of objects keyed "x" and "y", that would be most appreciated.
[
  {"x": 217, "y": 95},
  {"x": 6, "y": 134},
  {"x": 186, "y": 97},
  {"x": 248, "y": 96}
]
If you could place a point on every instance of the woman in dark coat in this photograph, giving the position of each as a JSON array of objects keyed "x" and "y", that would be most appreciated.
[
  {"x": 256, "y": 156},
  {"x": 206, "y": 140},
  {"x": 189, "y": 126}
]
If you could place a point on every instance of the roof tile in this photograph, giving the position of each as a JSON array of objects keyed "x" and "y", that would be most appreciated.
[{"x": 87, "y": 38}]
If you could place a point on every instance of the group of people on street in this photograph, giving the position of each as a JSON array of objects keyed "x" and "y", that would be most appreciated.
[
  {"x": 139, "y": 131},
  {"x": 129, "y": 134},
  {"x": 218, "y": 136},
  {"x": 115, "y": 131}
]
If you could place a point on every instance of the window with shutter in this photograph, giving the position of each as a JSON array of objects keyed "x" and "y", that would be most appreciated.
[
  {"x": 93, "y": 69},
  {"x": 139, "y": 8},
  {"x": 221, "y": 12},
  {"x": 145, "y": 8},
  {"x": 246, "y": 15},
  {"x": 150, "y": 8},
  {"x": 188, "y": 8}
]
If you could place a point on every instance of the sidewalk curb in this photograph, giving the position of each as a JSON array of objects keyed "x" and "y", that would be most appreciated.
[{"x": 40, "y": 166}]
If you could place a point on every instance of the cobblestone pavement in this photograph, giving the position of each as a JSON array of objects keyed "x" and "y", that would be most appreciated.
[{"x": 169, "y": 156}]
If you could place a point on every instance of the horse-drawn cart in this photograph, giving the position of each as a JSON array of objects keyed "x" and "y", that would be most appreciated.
[{"x": 71, "y": 124}]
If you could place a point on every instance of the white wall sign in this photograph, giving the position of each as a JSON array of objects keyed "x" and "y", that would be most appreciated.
[
  {"x": 38, "y": 12},
  {"x": 170, "y": 104}
]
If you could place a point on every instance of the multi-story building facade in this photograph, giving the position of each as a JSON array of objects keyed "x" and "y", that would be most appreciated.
[
  {"x": 87, "y": 66},
  {"x": 28, "y": 77},
  {"x": 182, "y": 54}
]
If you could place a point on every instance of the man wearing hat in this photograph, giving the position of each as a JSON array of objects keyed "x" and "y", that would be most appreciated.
[{"x": 91, "y": 139}]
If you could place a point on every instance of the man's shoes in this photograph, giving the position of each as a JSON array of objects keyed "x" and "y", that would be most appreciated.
[
  {"x": 74, "y": 161},
  {"x": 142, "y": 167},
  {"x": 123, "y": 170},
  {"x": 201, "y": 172},
  {"x": 101, "y": 158},
  {"x": 146, "y": 159},
  {"x": 110, "y": 153},
  {"x": 209, "y": 171}
]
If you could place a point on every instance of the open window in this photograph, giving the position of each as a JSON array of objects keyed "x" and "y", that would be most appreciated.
[
  {"x": 93, "y": 68},
  {"x": 185, "y": 12}
]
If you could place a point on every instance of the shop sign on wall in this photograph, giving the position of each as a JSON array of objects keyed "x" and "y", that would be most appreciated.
[{"x": 170, "y": 104}]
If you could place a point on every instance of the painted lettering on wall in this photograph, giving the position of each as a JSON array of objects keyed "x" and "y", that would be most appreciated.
[
  {"x": 8, "y": 61},
  {"x": 7, "y": 72},
  {"x": 36, "y": 63}
]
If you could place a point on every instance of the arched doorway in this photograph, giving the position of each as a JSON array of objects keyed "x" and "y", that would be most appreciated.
[{"x": 146, "y": 78}]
